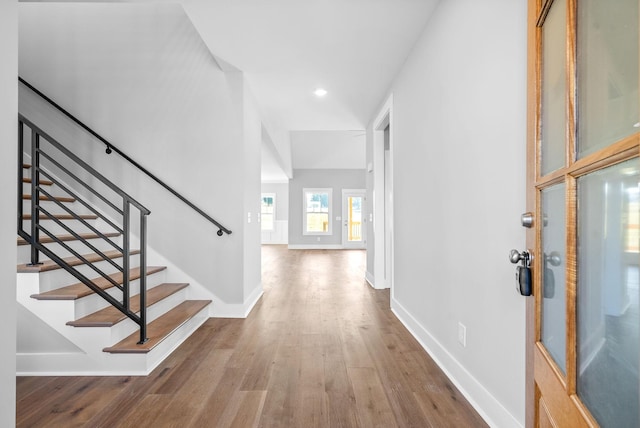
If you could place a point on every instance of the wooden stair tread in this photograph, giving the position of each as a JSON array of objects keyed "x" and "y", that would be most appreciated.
[
  {"x": 26, "y": 165},
  {"x": 41, "y": 182},
  {"x": 73, "y": 261},
  {"x": 57, "y": 198},
  {"x": 85, "y": 236},
  {"x": 159, "y": 329},
  {"x": 78, "y": 290},
  {"x": 110, "y": 316},
  {"x": 62, "y": 217}
]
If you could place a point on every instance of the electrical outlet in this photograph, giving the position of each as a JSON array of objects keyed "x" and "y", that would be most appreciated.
[{"x": 462, "y": 334}]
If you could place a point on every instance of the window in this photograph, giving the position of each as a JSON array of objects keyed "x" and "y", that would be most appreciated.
[
  {"x": 268, "y": 211},
  {"x": 316, "y": 212}
]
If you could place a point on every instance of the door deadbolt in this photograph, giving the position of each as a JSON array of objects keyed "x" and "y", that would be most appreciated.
[{"x": 526, "y": 220}]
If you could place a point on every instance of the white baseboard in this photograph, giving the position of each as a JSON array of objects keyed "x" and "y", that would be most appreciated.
[
  {"x": 237, "y": 310},
  {"x": 370, "y": 279},
  {"x": 251, "y": 302},
  {"x": 491, "y": 410},
  {"x": 315, "y": 247}
]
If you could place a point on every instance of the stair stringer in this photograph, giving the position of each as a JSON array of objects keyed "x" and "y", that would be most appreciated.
[{"x": 89, "y": 359}]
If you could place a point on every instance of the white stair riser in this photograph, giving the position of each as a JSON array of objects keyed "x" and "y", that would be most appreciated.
[
  {"x": 96, "y": 362},
  {"x": 53, "y": 279},
  {"x": 24, "y": 251},
  {"x": 125, "y": 328},
  {"x": 51, "y": 189},
  {"x": 75, "y": 225},
  {"x": 93, "y": 303},
  {"x": 176, "y": 338},
  {"x": 53, "y": 208}
]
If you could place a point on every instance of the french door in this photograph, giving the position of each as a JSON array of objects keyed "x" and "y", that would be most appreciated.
[
  {"x": 353, "y": 227},
  {"x": 582, "y": 194}
]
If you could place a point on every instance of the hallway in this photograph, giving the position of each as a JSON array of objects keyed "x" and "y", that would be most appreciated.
[{"x": 320, "y": 349}]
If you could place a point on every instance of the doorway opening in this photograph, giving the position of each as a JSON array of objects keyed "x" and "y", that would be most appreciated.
[{"x": 383, "y": 197}]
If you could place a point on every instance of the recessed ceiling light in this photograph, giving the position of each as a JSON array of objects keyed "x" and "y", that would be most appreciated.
[{"x": 320, "y": 92}]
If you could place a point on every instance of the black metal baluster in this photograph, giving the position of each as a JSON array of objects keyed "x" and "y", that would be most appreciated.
[
  {"x": 125, "y": 254},
  {"x": 35, "y": 196},
  {"x": 20, "y": 172},
  {"x": 143, "y": 278}
]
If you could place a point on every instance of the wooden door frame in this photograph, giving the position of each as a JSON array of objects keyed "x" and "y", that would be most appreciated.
[{"x": 532, "y": 138}]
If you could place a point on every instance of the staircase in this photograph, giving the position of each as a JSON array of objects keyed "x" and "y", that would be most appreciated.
[{"x": 65, "y": 326}]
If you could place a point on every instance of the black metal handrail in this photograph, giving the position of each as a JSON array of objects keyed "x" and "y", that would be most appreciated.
[
  {"x": 110, "y": 147},
  {"x": 53, "y": 158}
]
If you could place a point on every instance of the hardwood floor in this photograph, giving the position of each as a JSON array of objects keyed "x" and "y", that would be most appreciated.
[{"x": 320, "y": 349}]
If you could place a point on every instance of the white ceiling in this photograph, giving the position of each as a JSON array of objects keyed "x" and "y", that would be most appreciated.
[{"x": 287, "y": 48}]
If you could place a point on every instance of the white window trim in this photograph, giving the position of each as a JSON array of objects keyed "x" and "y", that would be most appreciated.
[
  {"x": 304, "y": 210},
  {"x": 273, "y": 223}
]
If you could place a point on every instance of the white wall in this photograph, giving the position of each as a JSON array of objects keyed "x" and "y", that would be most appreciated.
[
  {"x": 8, "y": 162},
  {"x": 371, "y": 233},
  {"x": 328, "y": 149},
  {"x": 336, "y": 179},
  {"x": 459, "y": 111},
  {"x": 252, "y": 141},
  {"x": 153, "y": 89}
]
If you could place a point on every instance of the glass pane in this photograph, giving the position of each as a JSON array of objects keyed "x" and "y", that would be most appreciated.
[
  {"x": 267, "y": 203},
  {"x": 607, "y": 309},
  {"x": 355, "y": 218},
  {"x": 317, "y": 202},
  {"x": 267, "y": 221},
  {"x": 554, "y": 65},
  {"x": 554, "y": 307},
  {"x": 607, "y": 73},
  {"x": 317, "y": 222}
]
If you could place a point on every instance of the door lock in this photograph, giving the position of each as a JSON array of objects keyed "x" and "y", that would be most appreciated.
[
  {"x": 523, "y": 272},
  {"x": 526, "y": 220}
]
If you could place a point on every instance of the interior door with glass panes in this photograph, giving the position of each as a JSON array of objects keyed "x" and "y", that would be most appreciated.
[{"x": 583, "y": 147}]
